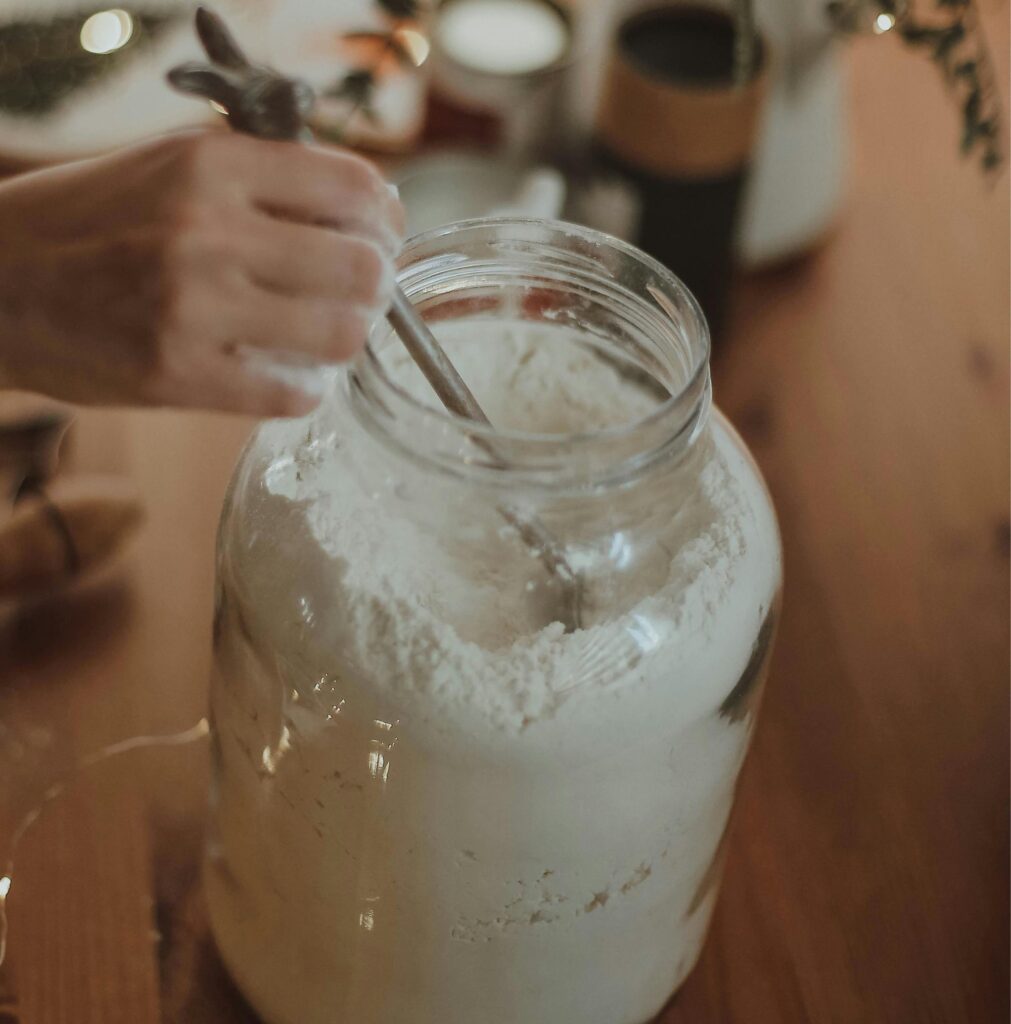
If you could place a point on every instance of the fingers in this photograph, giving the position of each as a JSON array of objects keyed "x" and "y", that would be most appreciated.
[
  {"x": 253, "y": 388},
  {"x": 265, "y": 205},
  {"x": 221, "y": 172},
  {"x": 273, "y": 259},
  {"x": 240, "y": 379},
  {"x": 324, "y": 330},
  {"x": 294, "y": 260},
  {"x": 249, "y": 391},
  {"x": 223, "y": 343},
  {"x": 327, "y": 187}
]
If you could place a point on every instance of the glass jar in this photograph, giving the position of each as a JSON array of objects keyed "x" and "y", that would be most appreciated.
[{"x": 433, "y": 803}]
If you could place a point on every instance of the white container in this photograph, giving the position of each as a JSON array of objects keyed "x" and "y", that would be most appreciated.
[{"x": 798, "y": 176}]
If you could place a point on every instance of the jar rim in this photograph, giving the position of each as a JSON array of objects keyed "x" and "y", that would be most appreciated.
[{"x": 678, "y": 417}]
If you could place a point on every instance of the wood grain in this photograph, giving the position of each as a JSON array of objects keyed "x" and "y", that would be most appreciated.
[
  {"x": 867, "y": 879},
  {"x": 867, "y": 875}
]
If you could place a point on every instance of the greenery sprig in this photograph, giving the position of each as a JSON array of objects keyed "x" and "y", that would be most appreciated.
[
  {"x": 958, "y": 48},
  {"x": 357, "y": 87},
  {"x": 42, "y": 60},
  {"x": 953, "y": 40}
]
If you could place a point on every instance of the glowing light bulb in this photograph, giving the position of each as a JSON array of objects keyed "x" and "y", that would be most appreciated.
[
  {"x": 106, "y": 31},
  {"x": 883, "y": 23}
]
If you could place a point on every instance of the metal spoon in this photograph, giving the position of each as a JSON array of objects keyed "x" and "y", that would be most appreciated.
[{"x": 259, "y": 101}]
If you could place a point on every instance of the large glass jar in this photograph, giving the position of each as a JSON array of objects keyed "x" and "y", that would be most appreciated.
[{"x": 437, "y": 802}]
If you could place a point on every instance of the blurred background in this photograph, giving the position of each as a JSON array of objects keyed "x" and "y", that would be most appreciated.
[{"x": 830, "y": 179}]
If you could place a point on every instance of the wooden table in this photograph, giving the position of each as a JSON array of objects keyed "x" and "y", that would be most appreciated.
[{"x": 867, "y": 881}]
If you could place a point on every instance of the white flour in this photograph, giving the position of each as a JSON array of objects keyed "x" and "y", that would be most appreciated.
[{"x": 436, "y": 806}]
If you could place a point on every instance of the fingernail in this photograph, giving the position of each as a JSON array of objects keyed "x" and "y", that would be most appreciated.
[{"x": 394, "y": 191}]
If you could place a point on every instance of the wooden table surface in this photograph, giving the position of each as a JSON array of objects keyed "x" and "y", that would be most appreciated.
[{"x": 867, "y": 881}]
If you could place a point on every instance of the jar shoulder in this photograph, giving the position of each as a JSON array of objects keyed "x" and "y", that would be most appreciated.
[
  {"x": 681, "y": 605},
  {"x": 744, "y": 469}
]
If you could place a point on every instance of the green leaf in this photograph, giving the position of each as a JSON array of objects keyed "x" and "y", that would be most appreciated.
[
  {"x": 987, "y": 129},
  {"x": 356, "y": 86},
  {"x": 947, "y": 41},
  {"x": 959, "y": 50},
  {"x": 919, "y": 34},
  {"x": 970, "y": 120}
]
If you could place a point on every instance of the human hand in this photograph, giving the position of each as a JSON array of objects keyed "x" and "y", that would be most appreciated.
[{"x": 186, "y": 271}]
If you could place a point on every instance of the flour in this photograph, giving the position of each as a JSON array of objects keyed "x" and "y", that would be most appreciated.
[
  {"x": 470, "y": 814},
  {"x": 540, "y": 381}
]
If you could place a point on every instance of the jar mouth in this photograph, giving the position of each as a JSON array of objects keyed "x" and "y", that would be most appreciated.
[{"x": 666, "y": 342}]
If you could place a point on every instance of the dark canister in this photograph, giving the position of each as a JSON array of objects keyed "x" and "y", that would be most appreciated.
[{"x": 677, "y": 121}]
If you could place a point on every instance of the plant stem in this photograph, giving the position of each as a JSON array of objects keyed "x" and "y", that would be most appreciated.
[{"x": 337, "y": 134}]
